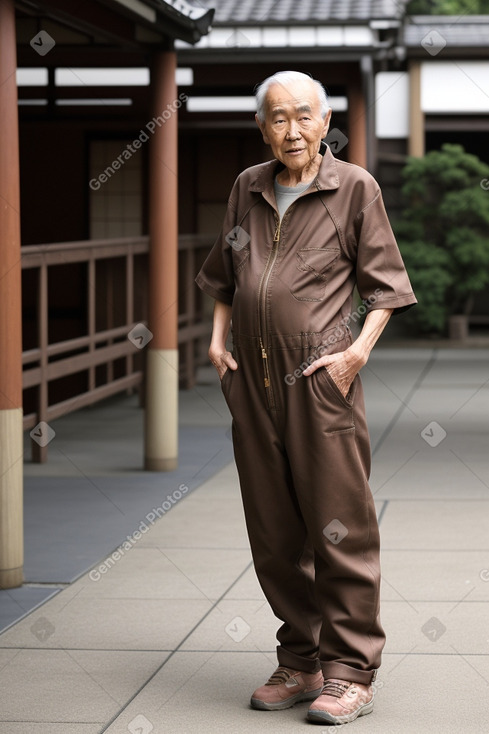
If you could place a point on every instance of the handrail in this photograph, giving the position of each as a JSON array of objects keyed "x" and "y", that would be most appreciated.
[
  {"x": 33, "y": 355},
  {"x": 105, "y": 346}
]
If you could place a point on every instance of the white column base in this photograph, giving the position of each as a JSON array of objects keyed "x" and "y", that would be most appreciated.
[
  {"x": 11, "y": 498},
  {"x": 161, "y": 420}
]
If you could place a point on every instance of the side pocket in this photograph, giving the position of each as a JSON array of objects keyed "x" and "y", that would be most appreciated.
[
  {"x": 324, "y": 376},
  {"x": 225, "y": 378},
  {"x": 227, "y": 388},
  {"x": 334, "y": 412},
  {"x": 349, "y": 398}
]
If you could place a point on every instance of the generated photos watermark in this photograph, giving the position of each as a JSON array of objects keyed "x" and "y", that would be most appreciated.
[
  {"x": 335, "y": 531},
  {"x": 152, "y": 516},
  {"x": 237, "y": 629},
  {"x": 42, "y": 434},
  {"x": 433, "y": 42},
  {"x": 140, "y": 725},
  {"x": 433, "y": 434},
  {"x": 433, "y": 629},
  {"x": 140, "y": 336},
  {"x": 42, "y": 629},
  {"x": 237, "y": 238},
  {"x": 336, "y": 140},
  {"x": 337, "y": 334},
  {"x": 143, "y": 137},
  {"x": 42, "y": 43}
]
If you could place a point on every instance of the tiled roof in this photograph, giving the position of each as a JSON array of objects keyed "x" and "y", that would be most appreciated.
[
  {"x": 468, "y": 30},
  {"x": 261, "y": 12}
]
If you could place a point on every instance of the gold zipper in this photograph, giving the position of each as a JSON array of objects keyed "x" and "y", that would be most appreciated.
[
  {"x": 264, "y": 357},
  {"x": 262, "y": 292},
  {"x": 276, "y": 236}
]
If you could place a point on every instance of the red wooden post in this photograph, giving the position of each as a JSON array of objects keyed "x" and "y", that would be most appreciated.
[
  {"x": 11, "y": 439},
  {"x": 161, "y": 435}
]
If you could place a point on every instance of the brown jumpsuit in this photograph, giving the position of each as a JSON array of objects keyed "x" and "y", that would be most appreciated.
[{"x": 302, "y": 449}]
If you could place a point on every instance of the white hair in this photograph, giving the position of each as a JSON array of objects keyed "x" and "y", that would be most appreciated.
[{"x": 283, "y": 78}]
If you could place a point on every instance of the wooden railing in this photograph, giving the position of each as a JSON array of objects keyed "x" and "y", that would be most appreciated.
[{"x": 87, "y": 351}]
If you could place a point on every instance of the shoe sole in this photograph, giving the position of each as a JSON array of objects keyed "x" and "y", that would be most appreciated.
[
  {"x": 321, "y": 717},
  {"x": 280, "y": 705}
]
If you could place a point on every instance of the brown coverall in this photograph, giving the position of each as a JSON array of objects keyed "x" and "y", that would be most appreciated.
[{"x": 302, "y": 449}]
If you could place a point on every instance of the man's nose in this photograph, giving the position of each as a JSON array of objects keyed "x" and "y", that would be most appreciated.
[{"x": 293, "y": 132}]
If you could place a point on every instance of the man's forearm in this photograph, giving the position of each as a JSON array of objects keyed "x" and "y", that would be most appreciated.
[
  {"x": 373, "y": 327},
  {"x": 220, "y": 326},
  {"x": 218, "y": 354}
]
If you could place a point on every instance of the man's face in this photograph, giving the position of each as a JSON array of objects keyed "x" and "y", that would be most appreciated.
[{"x": 293, "y": 124}]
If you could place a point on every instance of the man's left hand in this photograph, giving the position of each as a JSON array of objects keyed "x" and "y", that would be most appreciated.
[{"x": 342, "y": 367}]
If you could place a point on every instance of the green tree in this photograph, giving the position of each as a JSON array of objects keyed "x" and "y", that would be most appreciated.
[
  {"x": 448, "y": 7},
  {"x": 444, "y": 233}
]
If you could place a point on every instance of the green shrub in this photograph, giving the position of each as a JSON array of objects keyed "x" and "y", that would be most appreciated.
[{"x": 443, "y": 234}]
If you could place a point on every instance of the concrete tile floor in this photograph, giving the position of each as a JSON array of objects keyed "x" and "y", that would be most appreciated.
[{"x": 175, "y": 635}]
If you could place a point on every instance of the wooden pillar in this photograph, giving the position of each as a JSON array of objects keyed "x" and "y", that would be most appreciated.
[
  {"x": 161, "y": 425},
  {"x": 368, "y": 88},
  {"x": 11, "y": 444},
  {"x": 357, "y": 122},
  {"x": 416, "y": 145}
]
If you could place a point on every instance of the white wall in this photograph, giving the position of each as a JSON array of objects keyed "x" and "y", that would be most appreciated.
[
  {"x": 392, "y": 104},
  {"x": 455, "y": 87}
]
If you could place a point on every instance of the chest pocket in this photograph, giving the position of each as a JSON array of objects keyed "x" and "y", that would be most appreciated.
[{"x": 314, "y": 267}]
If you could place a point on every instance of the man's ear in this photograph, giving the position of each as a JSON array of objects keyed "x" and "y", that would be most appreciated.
[
  {"x": 327, "y": 120},
  {"x": 261, "y": 125}
]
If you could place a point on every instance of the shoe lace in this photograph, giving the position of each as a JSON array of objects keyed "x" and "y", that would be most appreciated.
[
  {"x": 335, "y": 688},
  {"x": 281, "y": 675}
]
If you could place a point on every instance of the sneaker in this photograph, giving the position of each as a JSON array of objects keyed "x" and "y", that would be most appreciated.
[
  {"x": 287, "y": 687},
  {"x": 341, "y": 702}
]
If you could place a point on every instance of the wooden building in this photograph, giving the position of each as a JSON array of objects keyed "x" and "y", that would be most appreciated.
[
  {"x": 88, "y": 121},
  {"x": 85, "y": 291}
]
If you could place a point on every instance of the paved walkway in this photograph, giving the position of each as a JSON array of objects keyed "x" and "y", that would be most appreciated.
[{"x": 172, "y": 633}]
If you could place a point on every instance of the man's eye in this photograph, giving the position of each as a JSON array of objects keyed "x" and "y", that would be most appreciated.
[
  {"x": 304, "y": 119},
  {"x": 279, "y": 122}
]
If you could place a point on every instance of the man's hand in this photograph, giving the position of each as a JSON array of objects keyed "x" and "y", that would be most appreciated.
[
  {"x": 218, "y": 354},
  {"x": 222, "y": 360},
  {"x": 343, "y": 367}
]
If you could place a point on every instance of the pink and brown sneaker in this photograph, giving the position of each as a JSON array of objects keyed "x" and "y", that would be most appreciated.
[
  {"x": 341, "y": 702},
  {"x": 287, "y": 687}
]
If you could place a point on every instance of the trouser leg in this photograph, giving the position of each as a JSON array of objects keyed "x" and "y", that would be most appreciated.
[
  {"x": 330, "y": 462},
  {"x": 303, "y": 471},
  {"x": 282, "y": 552}
]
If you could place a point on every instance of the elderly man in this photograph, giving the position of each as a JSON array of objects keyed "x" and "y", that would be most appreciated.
[{"x": 299, "y": 233}]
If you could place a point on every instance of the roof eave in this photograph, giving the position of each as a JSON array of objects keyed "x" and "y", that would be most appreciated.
[{"x": 180, "y": 25}]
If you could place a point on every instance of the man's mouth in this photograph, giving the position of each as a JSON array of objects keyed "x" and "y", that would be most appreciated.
[{"x": 294, "y": 150}]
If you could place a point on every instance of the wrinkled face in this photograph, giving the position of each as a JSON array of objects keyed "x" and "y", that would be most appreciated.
[{"x": 293, "y": 124}]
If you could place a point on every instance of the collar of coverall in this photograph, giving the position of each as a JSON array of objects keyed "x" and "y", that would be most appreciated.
[{"x": 327, "y": 177}]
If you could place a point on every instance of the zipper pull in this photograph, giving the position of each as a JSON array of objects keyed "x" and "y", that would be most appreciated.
[
  {"x": 264, "y": 356},
  {"x": 276, "y": 236}
]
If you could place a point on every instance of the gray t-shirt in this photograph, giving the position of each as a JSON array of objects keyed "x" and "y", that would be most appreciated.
[{"x": 286, "y": 195}]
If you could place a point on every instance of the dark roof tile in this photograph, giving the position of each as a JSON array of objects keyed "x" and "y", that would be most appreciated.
[
  {"x": 258, "y": 12},
  {"x": 468, "y": 30}
]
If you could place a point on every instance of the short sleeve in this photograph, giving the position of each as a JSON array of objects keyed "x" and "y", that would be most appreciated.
[
  {"x": 382, "y": 280},
  {"x": 216, "y": 276}
]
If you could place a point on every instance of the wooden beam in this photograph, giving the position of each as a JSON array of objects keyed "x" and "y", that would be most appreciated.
[
  {"x": 416, "y": 146},
  {"x": 92, "y": 18}
]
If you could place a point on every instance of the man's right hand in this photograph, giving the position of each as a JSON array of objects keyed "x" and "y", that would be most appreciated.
[
  {"x": 218, "y": 354},
  {"x": 222, "y": 360}
]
